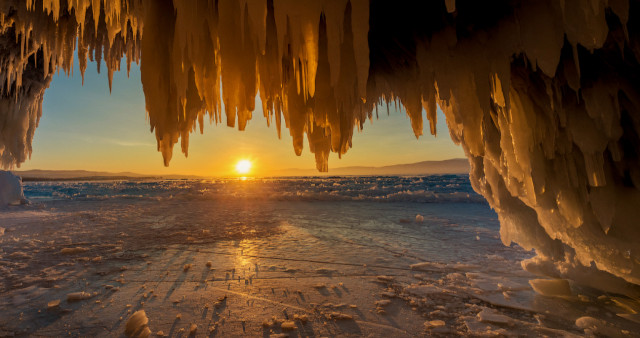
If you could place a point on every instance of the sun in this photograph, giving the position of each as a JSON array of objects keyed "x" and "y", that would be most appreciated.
[{"x": 243, "y": 167}]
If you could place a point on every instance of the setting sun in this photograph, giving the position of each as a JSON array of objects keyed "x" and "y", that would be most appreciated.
[{"x": 243, "y": 167}]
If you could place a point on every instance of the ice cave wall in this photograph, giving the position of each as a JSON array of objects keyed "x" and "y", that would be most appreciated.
[
  {"x": 542, "y": 95},
  {"x": 543, "y": 98}
]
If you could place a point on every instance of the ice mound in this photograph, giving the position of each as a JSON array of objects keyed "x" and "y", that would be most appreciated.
[
  {"x": 542, "y": 95},
  {"x": 10, "y": 189}
]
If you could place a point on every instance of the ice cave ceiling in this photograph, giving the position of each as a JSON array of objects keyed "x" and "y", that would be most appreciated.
[{"x": 542, "y": 94}]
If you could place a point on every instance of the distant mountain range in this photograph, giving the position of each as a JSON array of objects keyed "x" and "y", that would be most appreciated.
[
  {"x": 453, "y": 166},
  {"x": 44, "y": 175},
  {"x": 72, "y": 173}
]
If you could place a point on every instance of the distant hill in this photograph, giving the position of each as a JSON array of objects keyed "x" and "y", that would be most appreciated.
[
  {"x": 452, "y": 166},
  {"x": 43, "y": 175}
]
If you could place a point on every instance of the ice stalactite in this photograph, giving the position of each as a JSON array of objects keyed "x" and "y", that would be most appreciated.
[
  {"x": 206, "y": 55},
  {"x": 542, "y": 95}
]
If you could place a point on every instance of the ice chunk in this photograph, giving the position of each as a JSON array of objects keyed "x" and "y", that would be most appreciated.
[
  {"x": 137, "y": 325},
  {"x": 383, "y": 302},
  {"x": 73, "y": 251},
  {"x": 10, "y": 188},
  {"x": 492, "y": 316},
  {"x": 340, "y": 316},
  {"x": 385, "y": 278},
  {"x": 288, "y": 325},
  {"x": 551, "y": 287},
  {"x": 599, "y": 327},
  {"x": 434, "y": 323},
  {"x": 303, "y": 318},
  {"x": 78, "y": 296}
]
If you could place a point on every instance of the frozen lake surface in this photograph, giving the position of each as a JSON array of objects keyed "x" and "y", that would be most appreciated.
[{"x": 372, "y": 256}]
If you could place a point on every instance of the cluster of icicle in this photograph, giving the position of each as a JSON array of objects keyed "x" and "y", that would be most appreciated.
[
  {"x": 540, "y": 94},
  {"x": 308, "y": 60},
  {"x": 37, "y": 39},
  {"x": 546, "y": 105}
]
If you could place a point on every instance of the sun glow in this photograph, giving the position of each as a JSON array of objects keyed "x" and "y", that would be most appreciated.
[{"x": 243, "y": 167}]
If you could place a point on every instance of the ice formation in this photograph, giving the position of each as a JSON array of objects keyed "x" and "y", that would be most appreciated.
[
  {"x": 137, "y": 325},
  {"x": 542, "y": 95},
  {"x": 10, "y": 189}
]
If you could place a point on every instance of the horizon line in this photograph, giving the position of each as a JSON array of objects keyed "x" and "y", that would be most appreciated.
[{"x": 268, "y": 173}]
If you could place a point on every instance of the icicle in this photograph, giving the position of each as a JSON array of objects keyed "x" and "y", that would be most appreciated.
[{"x": 451, "y": 5}]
